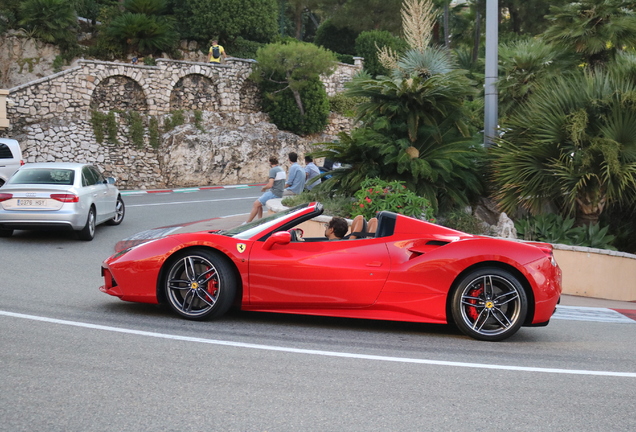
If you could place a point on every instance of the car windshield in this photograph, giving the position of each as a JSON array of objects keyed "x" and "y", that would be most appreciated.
[
  {"x": 49, "y": 176},
  {"x": 249, "y": 230}
]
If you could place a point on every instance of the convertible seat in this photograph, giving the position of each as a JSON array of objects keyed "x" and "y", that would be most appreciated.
[
  {"x": 358, "y": 228},
  {"x": 372, "y": 227}
]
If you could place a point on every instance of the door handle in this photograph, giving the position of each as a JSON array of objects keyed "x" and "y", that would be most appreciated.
[{"x": 374, "y": 264}]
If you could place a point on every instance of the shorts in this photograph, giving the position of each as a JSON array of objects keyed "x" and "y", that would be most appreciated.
[{"x": 266, "y": 197}]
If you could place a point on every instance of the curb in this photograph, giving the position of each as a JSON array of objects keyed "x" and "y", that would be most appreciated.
[{"x": 184, "y": 190}]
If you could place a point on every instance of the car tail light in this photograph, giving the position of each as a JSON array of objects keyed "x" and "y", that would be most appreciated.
[
  {"x": 5, "y": 196},
  {"x": 65, "y": 198},
  {"x": 22, "y": 162}
]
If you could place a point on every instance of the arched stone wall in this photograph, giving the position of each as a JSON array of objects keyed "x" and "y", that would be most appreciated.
[
  {"x": 119, "y": 92},
  {"x": 194, "y": 92}
]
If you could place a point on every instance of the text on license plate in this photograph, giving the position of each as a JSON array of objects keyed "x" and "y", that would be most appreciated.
[{"x": 32, "y": 202}]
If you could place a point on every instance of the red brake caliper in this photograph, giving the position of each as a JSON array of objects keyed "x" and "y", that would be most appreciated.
[{"x": 472, "y": 312}]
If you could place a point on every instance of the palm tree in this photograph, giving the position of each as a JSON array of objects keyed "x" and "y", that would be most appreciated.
[
  {"x": 53, "y": 21},
  {"x": 596, "y": 29},
  {"x": 523, "y": 66},
  {"x": 572, "y": 148},
  {"x": 413, "y": 123}
]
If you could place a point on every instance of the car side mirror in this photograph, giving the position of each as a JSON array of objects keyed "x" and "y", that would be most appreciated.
[
  {"x": 111, "y": 180},
  {"x": 281, "y": 238}
]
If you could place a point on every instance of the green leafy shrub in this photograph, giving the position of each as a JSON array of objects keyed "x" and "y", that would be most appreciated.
[
  {"x": 112, "y": 127},
  {"x": 462, "y": 221},
  {"x": 97, "y": 121},
  {"x": 136, "y": 129},
  {"x": 198, "y": 120},
  {"x": 553, "y": 228},
  {"x": 283, "y": 109},
  {"x": 174, "y": 119},
  {"x": 337, "y": 39},
  {"x": 243, "y": 48},
  {"x": 377, "y": 195},
  {"x": 153, "y": 133},
  {"x": 345, "y": 105},
  {"x": 334, "y": 206}
]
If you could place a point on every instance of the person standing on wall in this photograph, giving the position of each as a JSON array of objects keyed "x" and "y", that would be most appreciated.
[
  {"x": 273, "y": 189},
  {"x": 296, "y": 178},
  {"x": 216, "y": 51}
]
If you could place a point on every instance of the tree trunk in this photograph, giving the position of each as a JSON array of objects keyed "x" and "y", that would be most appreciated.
[{"x": 299, "y": 102}]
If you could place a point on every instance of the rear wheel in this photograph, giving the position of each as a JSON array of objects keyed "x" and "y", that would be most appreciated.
[
  {"x": 120, "y": 211},
  {"x": 489, "y": 304},
  {"x": 88, "y": 232},
  {"x": 200, "y": 284}
]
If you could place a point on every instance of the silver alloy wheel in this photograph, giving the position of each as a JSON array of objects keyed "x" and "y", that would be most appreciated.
[
  {"x": 490, "y": 305},
  {"x": 120, "y": 211},
  {"x": 193, "y": 286},
  {"x": 88, "y": 232}
]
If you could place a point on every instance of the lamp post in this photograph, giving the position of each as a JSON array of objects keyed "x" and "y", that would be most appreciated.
[{"x": 492, "y": 69}]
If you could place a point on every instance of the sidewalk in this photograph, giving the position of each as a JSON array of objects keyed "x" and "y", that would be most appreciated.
[{"x": 570, "y": 300}]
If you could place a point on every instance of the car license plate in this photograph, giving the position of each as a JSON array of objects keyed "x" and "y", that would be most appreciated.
[{"x": 31, "y": 202}]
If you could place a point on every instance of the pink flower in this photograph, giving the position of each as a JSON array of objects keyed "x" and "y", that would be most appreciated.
[
  {"x": 367, "y": 199},
  {"x": 361, "y": 205}
]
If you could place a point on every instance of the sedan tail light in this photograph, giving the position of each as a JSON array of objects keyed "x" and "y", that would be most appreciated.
[
  {"x": 5, "y": 196},
  {"x": 65, "y": 198}
]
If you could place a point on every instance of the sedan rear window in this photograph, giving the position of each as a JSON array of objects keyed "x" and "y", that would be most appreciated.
[{"x": 44, "y": 176}]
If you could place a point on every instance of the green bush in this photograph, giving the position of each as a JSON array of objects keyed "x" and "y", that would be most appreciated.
[
  {"x": 153, "y": 132},
  {"x": 284, "y": 112},
  {"x": 97, "y": 121},
  {"x": 553, "y": 228},
  {"x": 174, "y": 119},
  {"x": 345, "y": 58},
  {"x": 377, "y": 195},
  {"x": 136, "y": 129},
  {"x": 243, "y": 48},
  {"x": 112, "y": 127},
  {"x": 53, "y": 21},
  {"x": 334, "y": 206},
  {"x": 367, "y": 44},
  {"x": 345, "y": 105},
  {"x": 337, "y": 39},
  {"x": 198, "y": 120},
  {"x": 462, "y": 221}
]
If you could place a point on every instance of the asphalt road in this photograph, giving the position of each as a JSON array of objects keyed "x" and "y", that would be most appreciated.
[{"x": 75, "y": 359}]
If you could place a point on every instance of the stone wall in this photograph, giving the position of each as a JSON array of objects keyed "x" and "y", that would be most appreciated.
[{"x": 51, "y": 118}]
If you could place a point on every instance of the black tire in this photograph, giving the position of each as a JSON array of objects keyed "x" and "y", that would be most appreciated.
[
  {"x": 199, "y": 284},
  {"x": 88, "y": 232},
  {"x": 6, "y": 232},
  {"x": 120, "y": 212},
  {"x": 489, "y": 304}
]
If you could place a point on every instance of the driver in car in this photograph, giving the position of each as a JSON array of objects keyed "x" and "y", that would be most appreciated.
[{"x": 336, "y": 229}]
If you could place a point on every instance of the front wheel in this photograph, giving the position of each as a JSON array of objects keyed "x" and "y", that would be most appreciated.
[
  {"x": 199, "y": 284},
  {"x": 489, "y": 304}
]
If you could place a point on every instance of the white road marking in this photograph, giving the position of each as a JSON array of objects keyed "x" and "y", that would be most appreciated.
[
  {"x": 318, "y": 352},
  {"x": 591, "y": 314},
  {"x": 190, "y": 202}
]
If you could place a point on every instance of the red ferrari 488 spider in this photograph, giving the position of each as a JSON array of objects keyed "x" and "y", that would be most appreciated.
[{"x": 408, "y": 270}]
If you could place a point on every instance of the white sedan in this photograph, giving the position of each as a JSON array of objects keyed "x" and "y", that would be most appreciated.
[{"x": 54, "y": 195}]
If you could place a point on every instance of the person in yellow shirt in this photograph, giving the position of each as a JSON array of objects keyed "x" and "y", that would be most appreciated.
[{"x": 216, "y": 52}]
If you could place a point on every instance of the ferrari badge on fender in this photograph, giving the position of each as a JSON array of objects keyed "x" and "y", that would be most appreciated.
[{"x": 240, "y": 247}]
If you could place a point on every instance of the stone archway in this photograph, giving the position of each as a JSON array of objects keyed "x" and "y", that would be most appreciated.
[
  {"x": 194, "y": 92},
  {"x": 119, "y": 92}
]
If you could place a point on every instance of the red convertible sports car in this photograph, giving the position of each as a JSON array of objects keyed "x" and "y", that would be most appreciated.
[{"x": 408, "y": 270}]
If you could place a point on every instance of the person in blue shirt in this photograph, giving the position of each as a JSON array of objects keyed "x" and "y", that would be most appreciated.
[
  {"x": 311, "y": 172},
  {"x": 296, "y": 177},
  {"x": 273, "y": 189}
]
